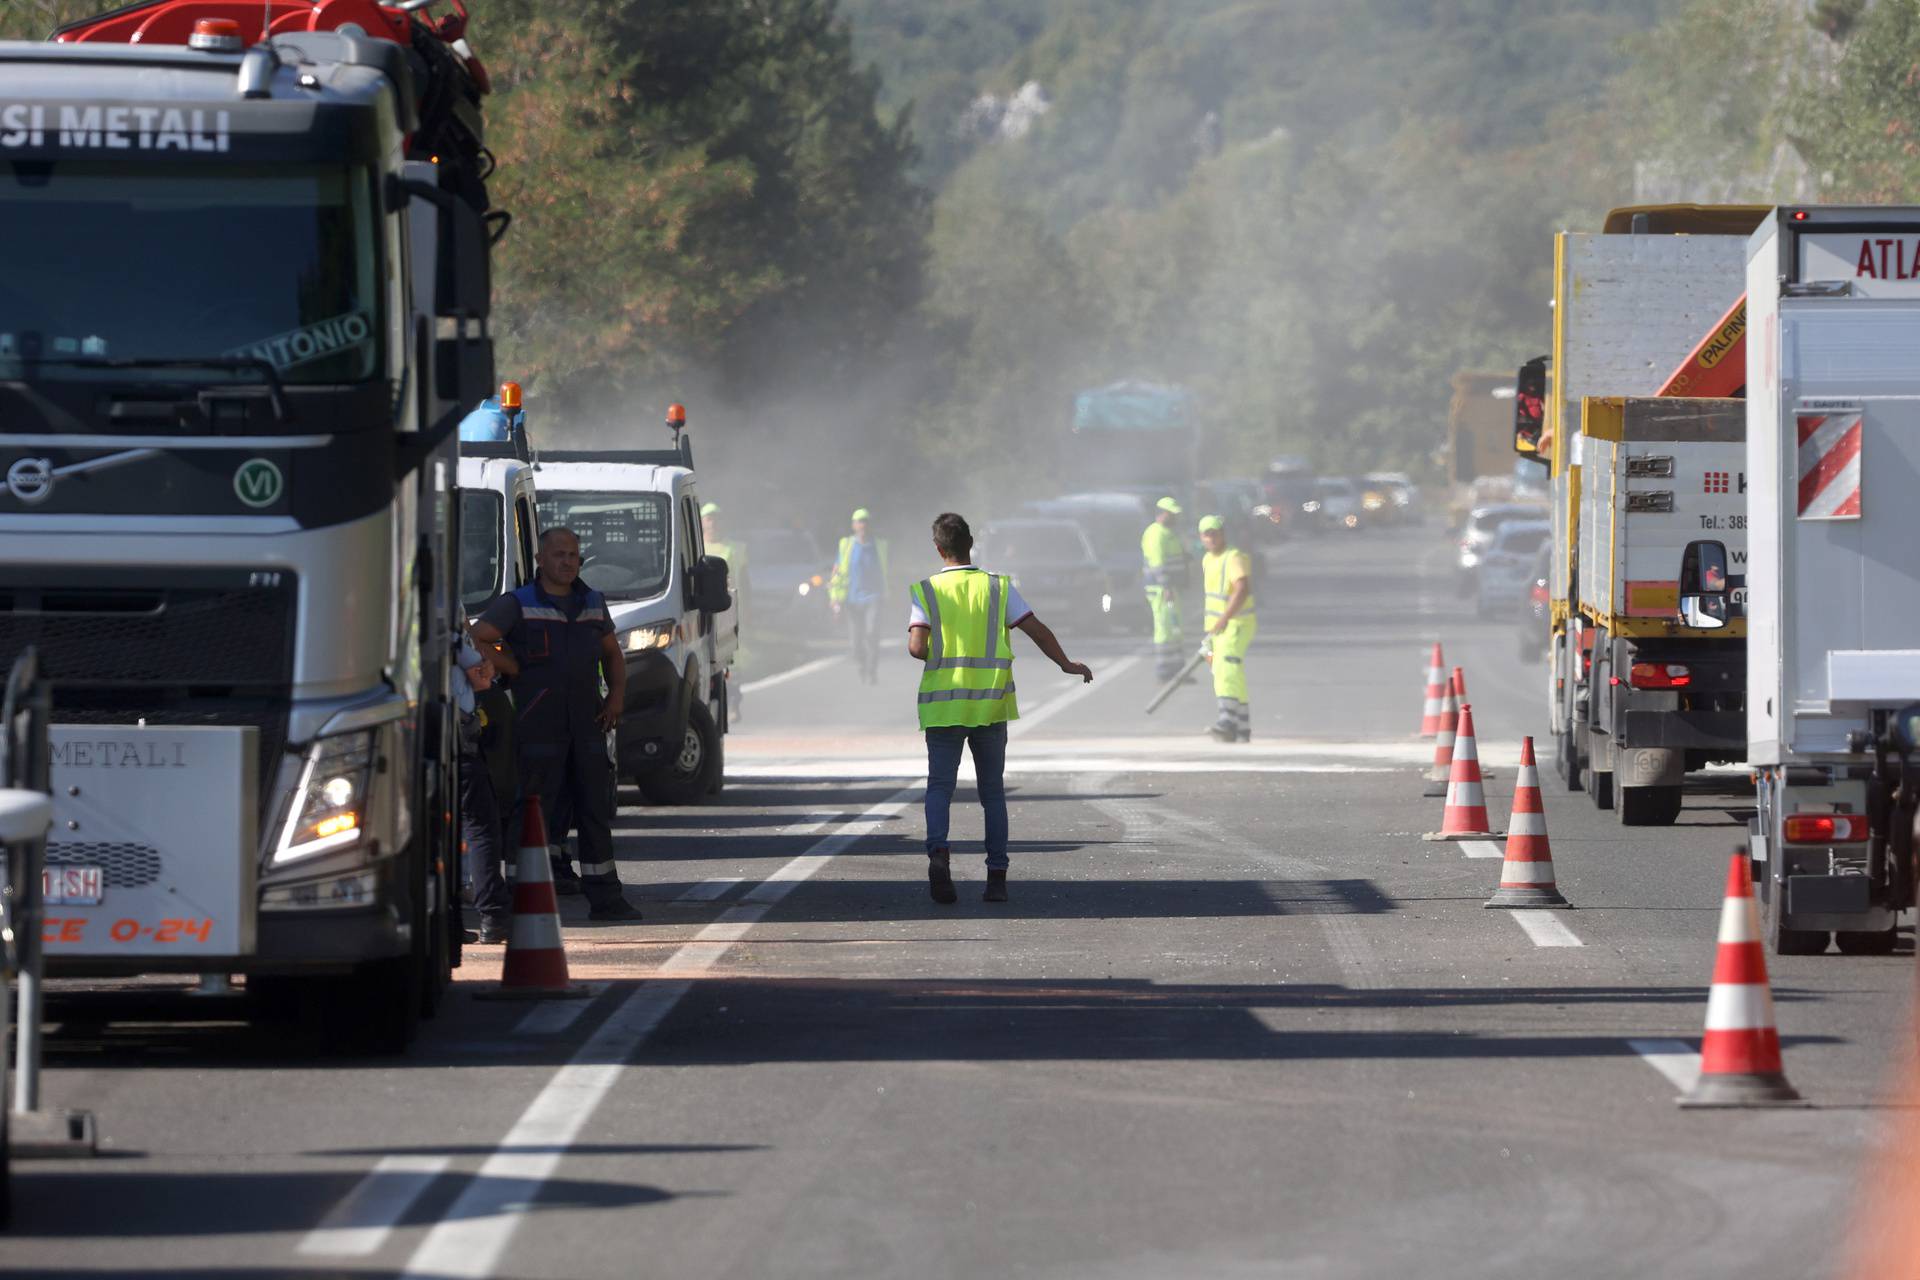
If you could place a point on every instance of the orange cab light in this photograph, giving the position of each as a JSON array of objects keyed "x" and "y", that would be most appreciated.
[
  {"x": 676, "y": 416},
  {"x": 509, "y": 395},
  {"x": 215, "y": 35},
  {"x": 1826, "y": 828}
]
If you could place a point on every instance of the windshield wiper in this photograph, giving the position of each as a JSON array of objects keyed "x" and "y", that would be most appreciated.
[{"x": 276, "y": 393}]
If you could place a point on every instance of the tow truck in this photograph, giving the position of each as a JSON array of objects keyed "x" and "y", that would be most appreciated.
[{"x": 247, "y": 308}]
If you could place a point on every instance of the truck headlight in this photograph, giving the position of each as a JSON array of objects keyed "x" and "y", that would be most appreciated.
[
  {"x": 330, "y": 803},
  {"x": 654, "y": 635}
]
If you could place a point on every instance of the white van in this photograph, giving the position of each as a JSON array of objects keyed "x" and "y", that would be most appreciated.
[{"x": 638, "y": 518}]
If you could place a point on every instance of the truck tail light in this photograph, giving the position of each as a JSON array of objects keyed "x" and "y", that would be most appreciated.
[
  {"x": 1826, "y": 828},
  {"x": 1660, "y": 675}
]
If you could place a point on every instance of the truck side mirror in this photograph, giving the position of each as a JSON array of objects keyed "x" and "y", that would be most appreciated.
[
  {"x": 1703, "y": 585},
  {"x": 710, "y": 593},
  {"x": 1530, "y": 409}
]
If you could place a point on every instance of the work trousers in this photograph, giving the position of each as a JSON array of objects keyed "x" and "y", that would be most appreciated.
[
  {"x": 1169, "y": 634},
  {"x": 574, "y": 780},
  {"x": 1230, "y": 672},
  {"x": 989, "y": 746},
  {"x": 863, "y": 625},
  {"x": 484, "y": 837}
]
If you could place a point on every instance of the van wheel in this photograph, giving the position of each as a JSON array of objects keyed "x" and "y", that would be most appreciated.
[
  {"x": 1877, "y": 943},
  {"x": 1781, "y": 940},
  {"x": 1646, "y": 806},
  {"x": 690, "y": 776}
]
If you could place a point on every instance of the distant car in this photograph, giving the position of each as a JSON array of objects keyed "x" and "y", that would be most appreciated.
[
  {"x": 786, "y": 581},
  {"x": 1113, "y": 522},
  {"x": 1237, "y": 502},
  {"x": 1506, "y": 565},
  {"x": 1476, "y": 532},
  {"x": 1335, "y": 504},
  {"x": 1534, "y": 613},
  {"x": 1053, "y": 563},
  {"x": 1401, "y": 491}
]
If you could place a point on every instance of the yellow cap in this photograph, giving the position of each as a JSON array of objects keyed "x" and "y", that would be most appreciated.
[
  {"x": 861, "y": 513},
  {"x": 1209, "y": 524},
  {"x": 1168, "y": 505}
]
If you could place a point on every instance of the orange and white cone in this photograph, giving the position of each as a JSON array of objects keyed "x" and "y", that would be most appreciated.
[
  {"x": 536, "y": 963},
  {"x": 1442, "y": 769},
  {"x": 1740, "y": 1053},
  {"x": 1465, "y": 816},
  {"x": 1436, "y": 702},
  {"x": 1526, "y": 877}
]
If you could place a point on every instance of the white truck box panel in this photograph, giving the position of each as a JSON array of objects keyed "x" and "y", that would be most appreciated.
[
  {"x": 1764, "y": 700},
  {"x": 1630, "y": 560},
  {"x": 1846, "y": 586}
]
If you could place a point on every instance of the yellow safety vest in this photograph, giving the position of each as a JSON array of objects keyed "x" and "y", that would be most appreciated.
[
  {"x": 843, "y": 569},
  {"x": 1164, "y": 554},
  {"x": 1217, "y": 572},
  {"x": 969, "y": 672}
]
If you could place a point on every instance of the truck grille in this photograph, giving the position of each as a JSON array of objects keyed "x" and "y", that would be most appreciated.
[
  {"x": 123, "y": 864},
  {"x": 171, "y": 647}
]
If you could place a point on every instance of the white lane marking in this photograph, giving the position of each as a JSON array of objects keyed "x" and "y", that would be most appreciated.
[
  {"x": 470, "y": 1238},
  {"x": 1054, "y": 706},
  {"x": 361, "y": 1222},
  {"x": 708, "y": 890},
  {"x": 1545, "y": 930},
  {"x": 555, "y": 1016},
  {"x": 1482, "y": 849},
  {"x": 781, "y": 677},
  {"x": 1674, "y": 1059}
]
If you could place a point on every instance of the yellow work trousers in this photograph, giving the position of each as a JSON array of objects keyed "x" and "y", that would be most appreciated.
[
  {"x": 1229, "y": 659},
  {"x": 1169, "y": 636}
]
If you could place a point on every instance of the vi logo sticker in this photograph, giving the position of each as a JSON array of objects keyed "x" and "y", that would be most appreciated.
[{"x": 258, "y": 482}]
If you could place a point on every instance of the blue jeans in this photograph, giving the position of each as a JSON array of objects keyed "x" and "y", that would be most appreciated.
[{"x": 989, "y": 744}]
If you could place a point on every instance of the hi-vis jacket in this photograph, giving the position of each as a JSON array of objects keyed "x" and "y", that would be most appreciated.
[{"x": 969, "y": 671}]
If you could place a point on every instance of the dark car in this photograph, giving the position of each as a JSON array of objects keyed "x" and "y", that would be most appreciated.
[
  {"x": 786, "y": 581},
  {"x": 1053, "y": 563},
  {"x": 1114, "y": 522},
  {"x": 1533, "y": 613}
]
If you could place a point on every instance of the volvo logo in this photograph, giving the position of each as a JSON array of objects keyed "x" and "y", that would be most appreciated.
[
  {"x": 258, "y": 482},
  {"x": 31, "y": 479}
]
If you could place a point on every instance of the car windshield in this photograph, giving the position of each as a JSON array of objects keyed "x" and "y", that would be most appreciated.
[
  {"x": 480, "y": 546},
  {"x": 1334, "y": 488},
  {"x": 626, "y": 539},
  {"x": 1032, "y": 546},
  {"x": 782, "y": 546},
  {"x": 1522, "y": 540},
  {"x": 279, "y": 265}
]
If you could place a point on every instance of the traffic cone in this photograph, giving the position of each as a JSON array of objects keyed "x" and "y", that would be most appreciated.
[
  {"x": 1442, "y": 768},
  {"x": 1740, "y": 1053},
  {"x": 1460, "y": 685},
  {"x": 536, "y": 963},
  {"x": 1436, "y": 701},
  {"x": 1526, "y": 877},
  {"x": 1465, "y": 816}
]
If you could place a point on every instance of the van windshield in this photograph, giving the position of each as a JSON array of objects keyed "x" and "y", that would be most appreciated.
[
  {"x": 626, "y": 539},
  {"x": 480, "y": 537}
]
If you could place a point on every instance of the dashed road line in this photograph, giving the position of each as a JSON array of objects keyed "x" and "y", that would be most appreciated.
[
  {"x": 476, "y": 1229},
  {"x": 794, "y": 673},
  {"x": 708, "y": 890},
  {"x": 553, "y": 1017},
  {"x": 1545, "y": 930},
  {"x": 1675, "y": 1059},
  {"x": 1482, "y": 849},
  {"x": 361, "y": 1222}
]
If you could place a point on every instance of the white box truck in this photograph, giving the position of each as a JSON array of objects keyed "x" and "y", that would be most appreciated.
[{"x": 1833, "y": 574}]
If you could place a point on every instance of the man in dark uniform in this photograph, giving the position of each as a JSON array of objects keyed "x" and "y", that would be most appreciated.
[{"x": 562, "y": 639}]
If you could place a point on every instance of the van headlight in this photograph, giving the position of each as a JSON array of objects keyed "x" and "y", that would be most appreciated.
[
  {"x": 330, "y": 804},
  {"x": 653, "y": 635}
]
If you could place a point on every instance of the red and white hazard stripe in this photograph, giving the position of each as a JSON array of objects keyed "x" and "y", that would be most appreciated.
[{"x": 1830, "y": 466}]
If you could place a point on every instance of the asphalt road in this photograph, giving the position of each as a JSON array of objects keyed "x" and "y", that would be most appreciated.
[{"x": 1237, "y": 1020}]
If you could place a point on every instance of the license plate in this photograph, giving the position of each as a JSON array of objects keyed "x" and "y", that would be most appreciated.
[{"x": 73, "y": 886}]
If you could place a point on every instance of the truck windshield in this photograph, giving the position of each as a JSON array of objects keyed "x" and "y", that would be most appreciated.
[
  {"x": 626, "y": 542},
  {"x": 481, "y": 533},
  {"x": 1032, "y": 546},
  {"x": 127, "y": 264}
]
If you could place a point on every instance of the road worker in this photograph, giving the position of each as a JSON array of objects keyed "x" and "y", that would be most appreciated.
[
  {"x": 961, "y": 627},
  {"x": 735, "y": 554},
  {"x": 860, "y": 582},
  {"x": 561, "y": 640},
  {"x": 1227, "y": 576},
  {"x": 1166, "y": 566}
]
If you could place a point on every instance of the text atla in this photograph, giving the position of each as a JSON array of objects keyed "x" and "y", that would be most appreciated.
[
  {"x": 1888, "y": 259},
  {"x": 114, "y": 128}
]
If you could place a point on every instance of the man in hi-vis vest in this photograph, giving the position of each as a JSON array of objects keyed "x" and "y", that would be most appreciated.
[{"x": 961, "y": 627}]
